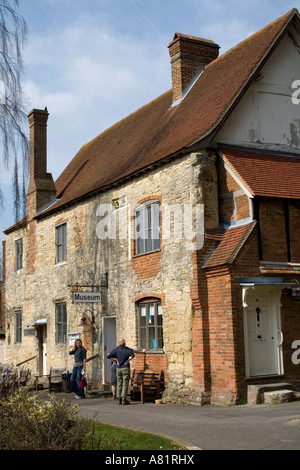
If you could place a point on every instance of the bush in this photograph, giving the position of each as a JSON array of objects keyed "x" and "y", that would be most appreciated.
[{"x": 30, "y": 423}]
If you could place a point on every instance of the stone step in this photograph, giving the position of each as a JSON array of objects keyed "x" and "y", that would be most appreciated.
[
  {"x": 98, "y": 393},
  {"x": 258, "y": 393},
  {"x": 276, "y": 397}
]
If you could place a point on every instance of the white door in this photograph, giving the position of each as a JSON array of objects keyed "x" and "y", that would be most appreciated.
[
  {"x": 262, "y": 351},
  {"x": 42, "y": 349},
  {"x": 45, "y": 349},
  {"x": 110, "y": 342}
]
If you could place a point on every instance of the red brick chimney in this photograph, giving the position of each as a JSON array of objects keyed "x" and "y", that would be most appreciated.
[
  {"x": 188, "y": 55},
  {"x": 41, "y": 185}
]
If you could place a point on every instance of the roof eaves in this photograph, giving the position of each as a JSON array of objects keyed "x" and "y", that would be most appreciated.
[
  {"x": 21, "y": 224},
  {"x": 56, "y": 207}
]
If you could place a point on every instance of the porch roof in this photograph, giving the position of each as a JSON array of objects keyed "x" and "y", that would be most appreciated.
[{"x": 231, "y": 244}]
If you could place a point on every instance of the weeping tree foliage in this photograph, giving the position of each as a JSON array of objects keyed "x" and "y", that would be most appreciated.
[{"x": 13, "y": 138}]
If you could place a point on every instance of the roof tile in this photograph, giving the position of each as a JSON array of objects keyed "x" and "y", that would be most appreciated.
[
  {"x": 265, "y": 174},
  {"x": 233, "y": 240}
]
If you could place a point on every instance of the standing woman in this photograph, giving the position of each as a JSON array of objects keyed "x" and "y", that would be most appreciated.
[{"x": 79, "y": 367}]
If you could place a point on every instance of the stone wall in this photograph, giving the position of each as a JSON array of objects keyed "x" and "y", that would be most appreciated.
[{"x": 167, "y": 275}]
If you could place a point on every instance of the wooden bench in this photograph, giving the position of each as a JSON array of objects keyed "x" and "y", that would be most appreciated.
[
  {"x": 23, "y": 376},
  {"x": 53, "y": 381},
  {"x": 149, "y": 383},
  {"x": 8, "y": 383}
]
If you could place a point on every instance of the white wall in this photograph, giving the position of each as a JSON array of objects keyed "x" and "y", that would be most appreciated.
[{"x": 266, "y": 116}]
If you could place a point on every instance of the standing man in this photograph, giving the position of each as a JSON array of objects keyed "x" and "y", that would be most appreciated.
[{"x": 123, "y": 356}]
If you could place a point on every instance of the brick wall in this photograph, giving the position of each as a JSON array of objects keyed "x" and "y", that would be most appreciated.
[
  {"x": 201, "y": 352},
  {"x": 220, "y": 357},
  {"x": 188, "y": 55},
  {"x": 233, "y": 202},
  {"x": 155, "y": 361},
  {"x": 294, "y": 217},
  {"x": 41, "y": 185},
  {"x": 273, "y": 230},
  {"x": 221, "y": 336},
  {"x": 247, "y": 265},
  {"x": 275, "y": 216}
]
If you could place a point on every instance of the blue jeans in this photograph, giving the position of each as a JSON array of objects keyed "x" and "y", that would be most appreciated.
[{"x": 75, "y": 381}]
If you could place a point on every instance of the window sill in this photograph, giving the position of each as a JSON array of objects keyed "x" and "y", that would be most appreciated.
[
  {"x": 61, "y": 263},
  {"x": 155, "y": 351},
  {"x": 145, "y": 254},
  {"x": 263, "y": 377}
]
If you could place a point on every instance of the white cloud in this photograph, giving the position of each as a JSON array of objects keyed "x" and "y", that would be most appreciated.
[{"x": 89, "y": 77}]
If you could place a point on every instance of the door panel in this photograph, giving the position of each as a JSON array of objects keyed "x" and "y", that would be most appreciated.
[
  {"x": 262, "y": 328},
  {"x": 109, "y": 330},
  {"x": 42, "y": 349}
]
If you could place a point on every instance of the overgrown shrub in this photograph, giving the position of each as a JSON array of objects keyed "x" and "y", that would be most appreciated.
[{"x": 30, "y": 423}]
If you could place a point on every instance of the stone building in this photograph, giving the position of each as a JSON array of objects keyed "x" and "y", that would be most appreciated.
[{"x": 176, "y": 228}]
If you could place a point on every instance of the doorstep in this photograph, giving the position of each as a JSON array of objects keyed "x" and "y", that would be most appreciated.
[{"x": 275, "y": 393}]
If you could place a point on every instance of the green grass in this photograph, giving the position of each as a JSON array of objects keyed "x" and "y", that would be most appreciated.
[{"x": 107, "y": 437}]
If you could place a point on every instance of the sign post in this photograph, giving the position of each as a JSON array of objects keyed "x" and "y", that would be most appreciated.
[{"x": 86, "y": 297}]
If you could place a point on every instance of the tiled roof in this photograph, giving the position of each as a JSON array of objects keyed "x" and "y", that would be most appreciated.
[
  {"x": 22, "y": 223},
  {"x": 157, "y": 131},
  {"x": 233, "y": 240},
  {"x": 265, "y": 174}
]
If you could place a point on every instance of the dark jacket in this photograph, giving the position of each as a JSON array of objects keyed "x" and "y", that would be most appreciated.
[
  {"x": 80, "y": 355},
  {"x": 122, "y": 354}
]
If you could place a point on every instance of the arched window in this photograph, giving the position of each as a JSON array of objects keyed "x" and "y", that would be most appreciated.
[
  {"x": 147, "y": 227},
  {"x": 150, "y": 325}
]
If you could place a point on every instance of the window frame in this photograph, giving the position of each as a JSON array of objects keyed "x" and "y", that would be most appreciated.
[
  {"x": 61, "y": 243},
  {"x": 144, "y": 341},
  {"x": 142, "y": 243},
  {"x": 61, "y": 323},
  {"x": 18, "y": 327},
  {"x": 19, "y": 254}
]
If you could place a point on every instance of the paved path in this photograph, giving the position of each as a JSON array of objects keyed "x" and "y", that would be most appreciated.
[{"x": 246, "y": 427}]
